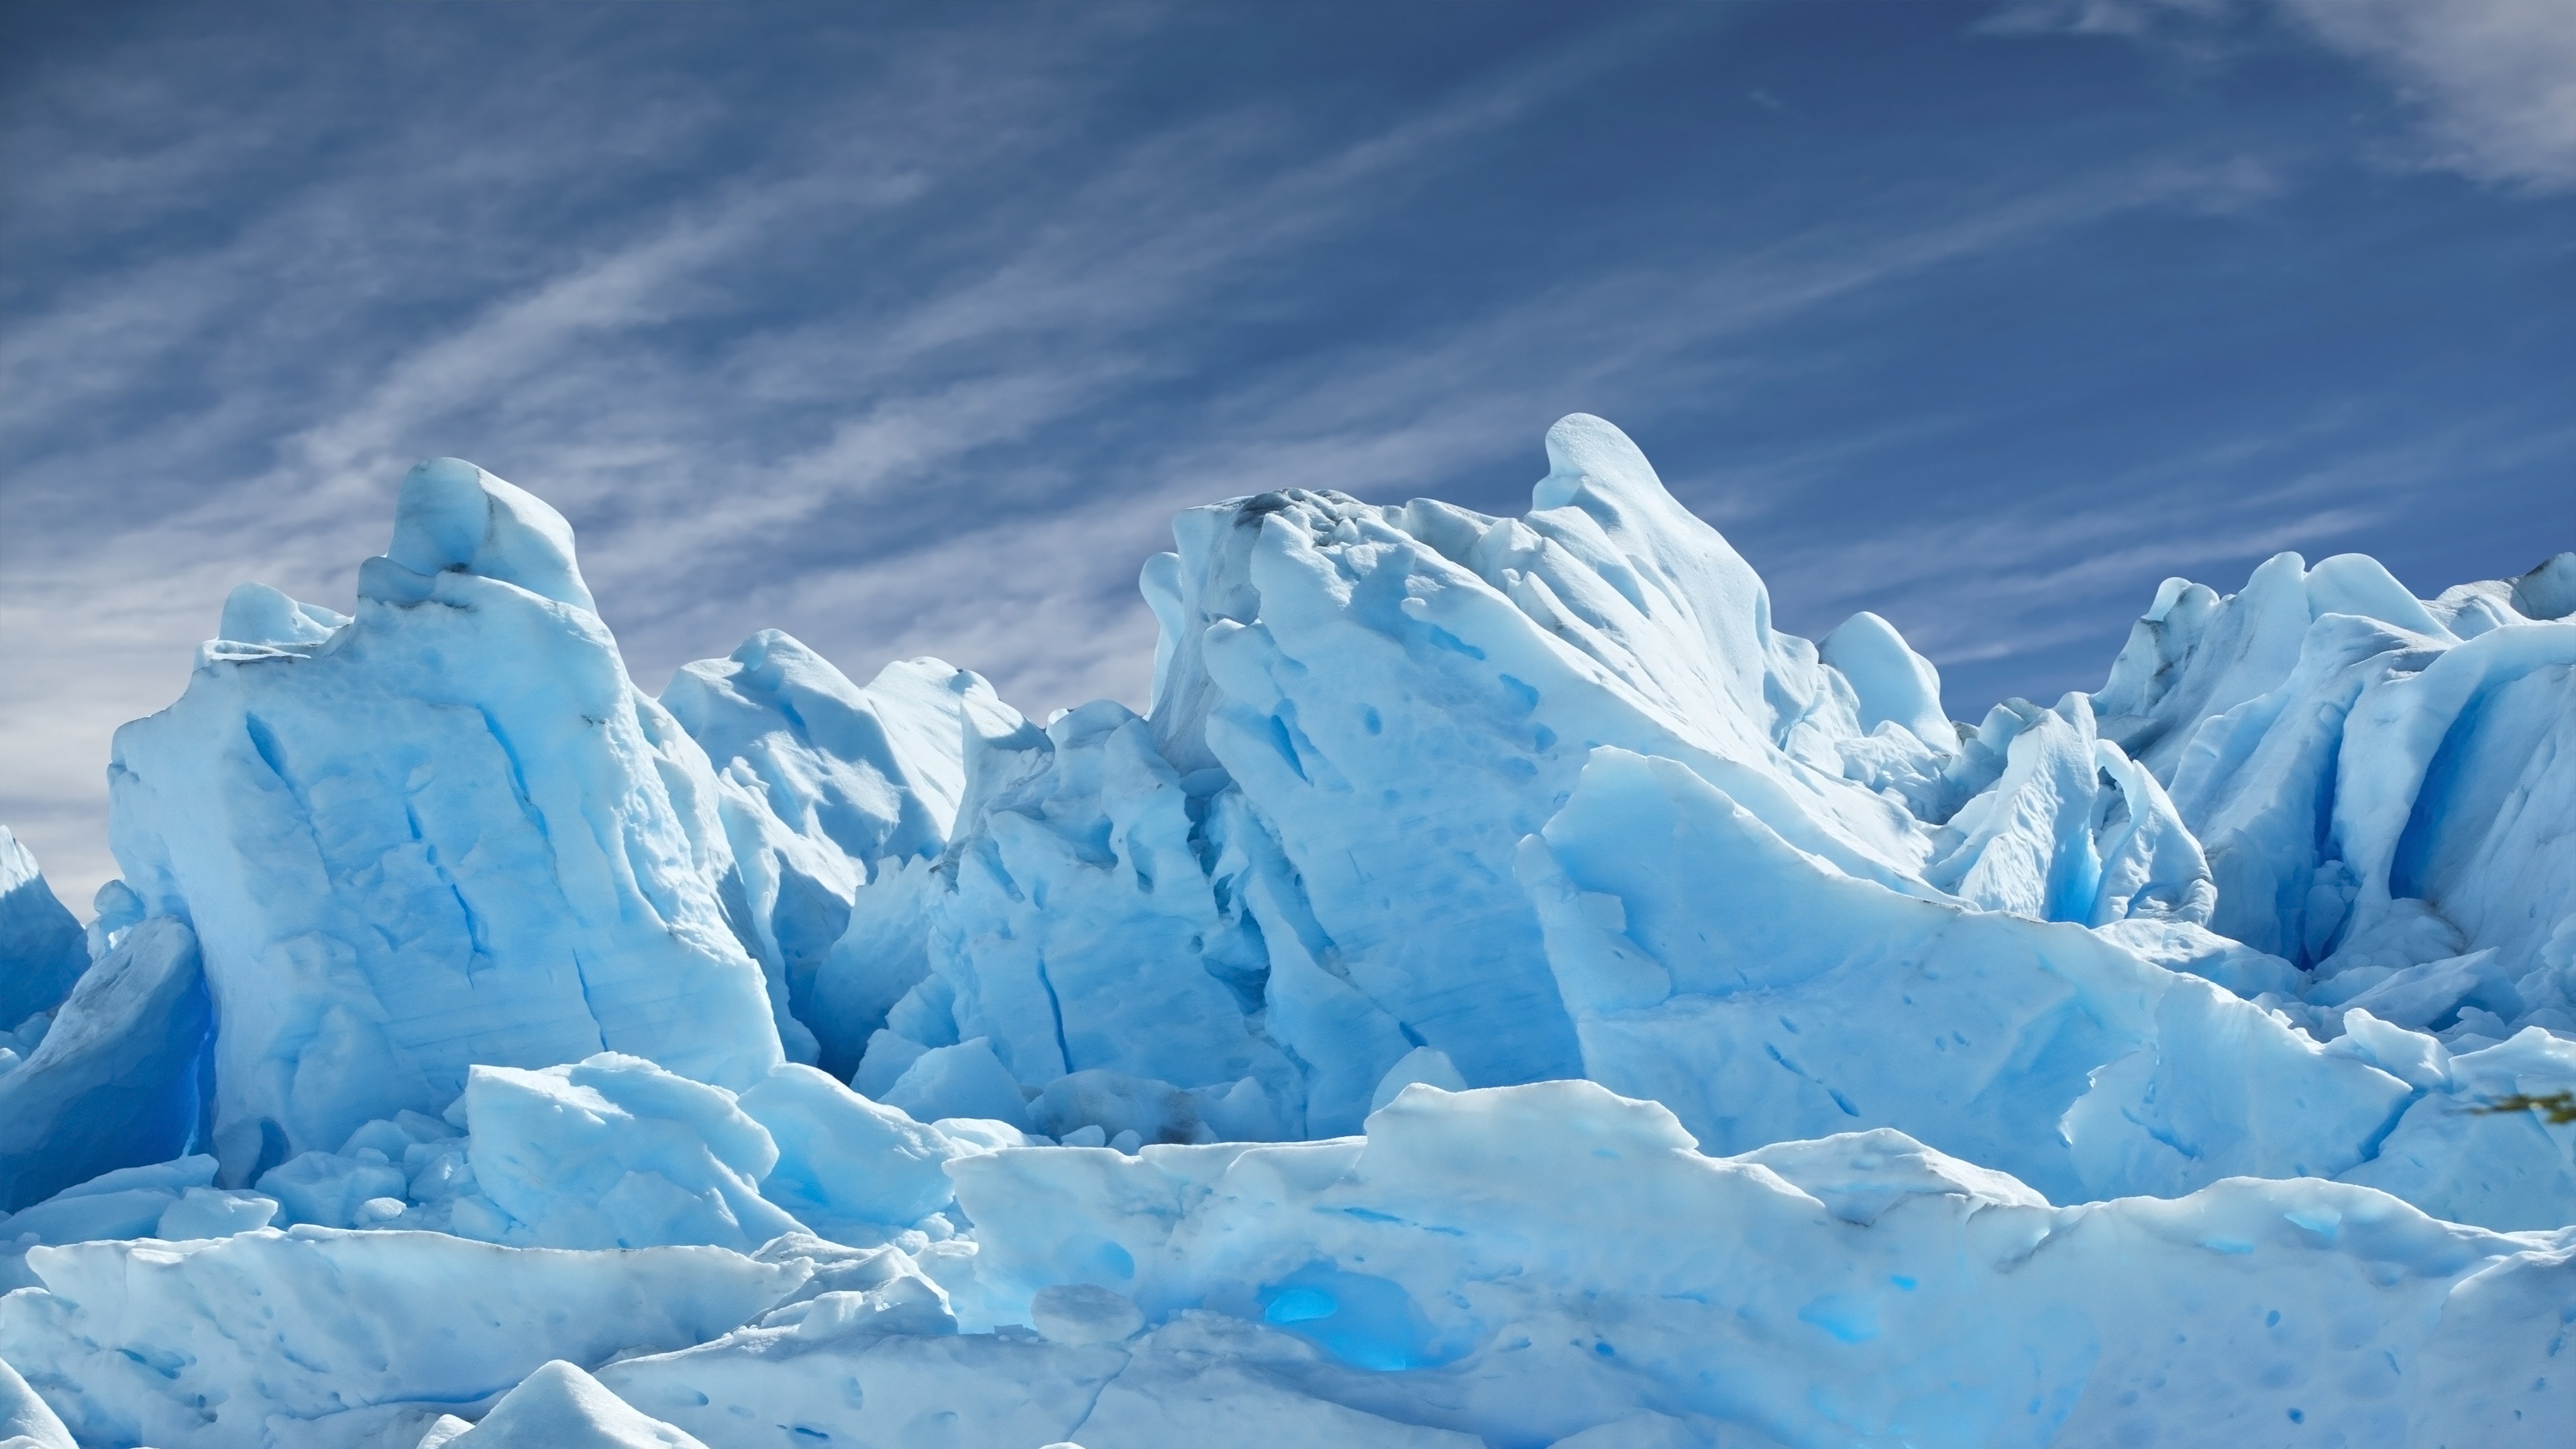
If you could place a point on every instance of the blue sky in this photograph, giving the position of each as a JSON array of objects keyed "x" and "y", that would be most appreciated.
[{"x": 906, "y": 329}]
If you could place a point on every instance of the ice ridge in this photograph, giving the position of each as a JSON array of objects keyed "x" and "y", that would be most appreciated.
[{"x": 1502, "y": 990}]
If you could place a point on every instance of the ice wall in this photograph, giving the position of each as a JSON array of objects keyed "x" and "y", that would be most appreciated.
[
  {"x": 1747, "y": 1055},
  {"x": 446, "y": 831},
  {"x": 1529, "y": 1266},
  {"x": 41, "y": 952},
  {"x": 1367, "y": 718}
]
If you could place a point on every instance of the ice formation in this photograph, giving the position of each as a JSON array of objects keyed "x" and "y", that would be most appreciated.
[{"x": 1502, "y": 991}]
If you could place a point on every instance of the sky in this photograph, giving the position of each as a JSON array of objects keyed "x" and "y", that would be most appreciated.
[{"x": 907, "y": 328}]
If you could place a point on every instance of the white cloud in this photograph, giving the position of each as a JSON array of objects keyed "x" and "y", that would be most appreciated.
[
  {"x": 2493, "y": 81},
  {"x": 894, "y": 466}
]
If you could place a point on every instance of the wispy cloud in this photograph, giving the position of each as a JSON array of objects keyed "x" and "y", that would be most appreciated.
[
  {"x": 2492, "y": 81},
  {"x": 921, "y": 356}
]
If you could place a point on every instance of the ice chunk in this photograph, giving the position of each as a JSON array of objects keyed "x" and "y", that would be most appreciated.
[
  {"x": 2433, "y": 993},
  {"x": 2411, "y": 1057},
  {"x": 2199, "y": 951},
  {"x": 1734, "y": 1007},
  {"x": 824, "y": 786},
  {"x": 119, "y": 910},
  {"x": 256, "y": 615},
  {"x": 316, "y": 1337},
  {"x": 327, "y": 1189},
  {"x": 2447, "y": 791},
  {"x": 1858, "y": 1176},
  {"x": 2549, "y": 591},
  {"x": 876, "y": 771},
  {"x": 127, "y": 1203},
  {"x": 1891, "y": 682},
  {"x": 2152, "y": 867},
  {"x": 2511, "y": 1169},
  {"x": 2195, "y": 655},
  {"x": 560, "y": 1407},
  {"x": 2026, "y": 845},
  {"x": 25, "y": 1420},
  {"x": 455, "y": 833},
  {"x": 1396, "y": 695},
  {"x": 1534, "y": 1262},
  {"x": 1427, "y": 1065},
  {"x": 41, "y": 953},
  {"x": 1118, "y": 1105},
  {"x": 455, "y": 518},
  {"x": 965, "y": 1080},
  {"x": 205, "y": 1212},
  {"x": 1078, "y": 929},
  {"x": 844, "y": 1159},
  {"x": 1081, "y": 1314},
  {"x": 120, "y": 1078},
  {"x": 616, "y": 1152}
]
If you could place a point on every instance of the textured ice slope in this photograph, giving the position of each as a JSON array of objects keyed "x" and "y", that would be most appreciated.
[
  {"x": 1359, "y": 809},
  {"x": 1514, "y": 1267},
  {"x": 446, "y": 831},
  {"x": 2118, "y": 1071}
]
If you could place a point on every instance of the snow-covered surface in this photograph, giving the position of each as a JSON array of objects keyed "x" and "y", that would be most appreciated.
[{"x": 1503, "y": 991}]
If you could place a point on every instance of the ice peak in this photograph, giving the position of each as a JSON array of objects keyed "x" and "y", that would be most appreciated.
[
  {"x": 453, "y": 517},
  {"x": 255, "y": 613},
  {"x": 1594, "y": 466}
]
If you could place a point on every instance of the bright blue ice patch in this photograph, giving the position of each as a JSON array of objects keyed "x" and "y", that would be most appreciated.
[
  {"x": 1365, "y": 1321},
  {"x": 1849, "y": 1317}
]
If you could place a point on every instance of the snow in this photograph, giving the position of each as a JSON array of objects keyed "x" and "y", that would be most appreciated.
[{"x": 1502, "y": 991}]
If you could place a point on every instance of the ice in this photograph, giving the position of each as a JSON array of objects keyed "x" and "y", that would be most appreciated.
[
  {"x": 25, "y": 1420},
  {"x": 823, "y": 787},
  {"x": 313, "y": 1336},
  {"x": 205, "y": 1212},
  {"x": 130, "y": 1202},
  {"x": 965, "y": 1080},
  {"x": 2034, "y": 1047},
  {"x": 120, "y": 1077},
  {"x": 448, "y": 833},
  {"x": 1503, "y": 990},
  {"x": 329, "y": 1190},
  {"x": 560, "y": 1407},
  {"x": 41, "y": 952},
  {"x": 1832, "y": 1291},
  {"x": 2508, "y": 1169},
  {"x": 1082, "y": 1314},
  {"x": 1428, "y": 1065},
  {"x": 1890, "y": 683},
  {"x": 615, "y": 1152},
  {"x": 2547, "y": 592},
  {"x": 845, "y": 1161},
  {"x": 1282, "y": 872},
  {"x": 1077, "y": 931}
]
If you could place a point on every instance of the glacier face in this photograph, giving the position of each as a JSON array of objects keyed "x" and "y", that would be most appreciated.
[
  {"x": 447, "y": 831},
  {"x": 1502, "y": 991}
]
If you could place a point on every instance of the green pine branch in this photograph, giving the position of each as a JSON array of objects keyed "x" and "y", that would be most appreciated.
[{"x": 2559, "y": 1106}]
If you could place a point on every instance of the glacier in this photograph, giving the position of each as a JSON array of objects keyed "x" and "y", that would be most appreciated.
[{"x": 1500, "y": 991}]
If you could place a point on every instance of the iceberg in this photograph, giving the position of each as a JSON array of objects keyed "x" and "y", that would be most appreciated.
[
  {"x": 41, "y": 948},
  {"x": 1501, "y": 990},
  {"x": 445, "y": 832},
  {"x": 121, "y": 1076}
]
